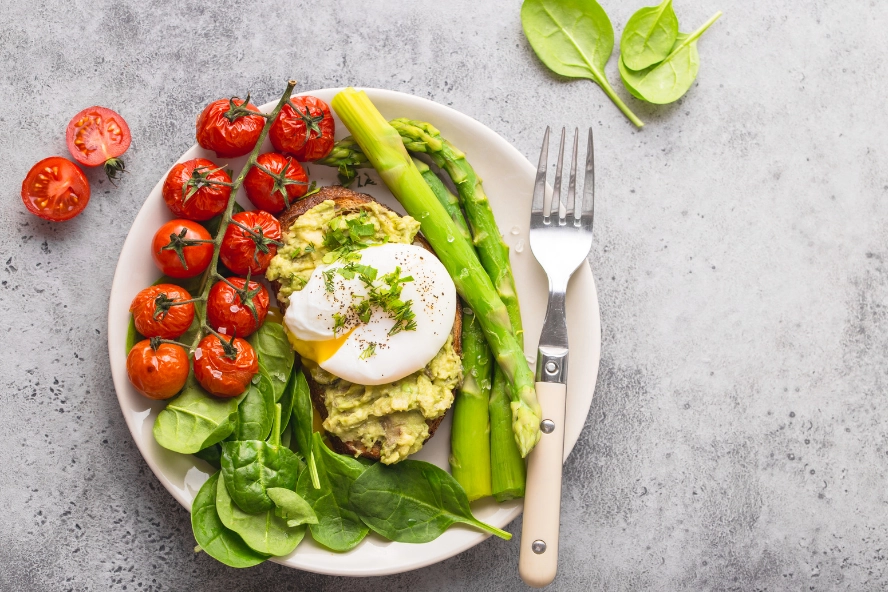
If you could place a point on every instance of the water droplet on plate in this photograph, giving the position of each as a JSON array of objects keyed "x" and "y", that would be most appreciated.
[
  {"x": 516, "y": 230},
  {"x": 519, "y": 246}
]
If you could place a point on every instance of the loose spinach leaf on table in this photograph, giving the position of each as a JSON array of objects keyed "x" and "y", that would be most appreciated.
[
  {"x": 213, "y": 537},
  {"x": 255, "y": 414},
  {"x": 648, "y": 36},
  {"x": 250, "y": 467},
  {"x": 275, "y": 354},
  {"x": 573, "y": 38},
  {"x": 670, "y": 79},
  {"x": 413, "y": 502},
  {"x": 195, "y": 419},
  {"x": 290, "y": 506},
  {"x": 302, "y": 424},
  {"x": 339, "y": 527},
  {"x": 263, "y": 532}
]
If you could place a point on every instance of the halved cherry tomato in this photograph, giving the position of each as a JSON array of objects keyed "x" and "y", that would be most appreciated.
[
  {"x": 304, "y": 128},
  {"x": 179, "y": 249},
  {"x": 250, "y": 241},
  {"x": 222, "y": 129},
  {"x": 156, "y": 313},
  {"x": 97, "y": 136},
  {"x": 224, "y": 368},
  {"x": 187, "y": 193},
  {"x": 55, "y": 189},
  {"x": 276, "y": 191},
  {"x": 229, "y": 306},
  {"x": 157, "y": 373}
]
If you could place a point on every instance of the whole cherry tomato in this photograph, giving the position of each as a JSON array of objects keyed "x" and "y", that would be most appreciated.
[
  {"x": 55, "y": 189},
  {"x": 182, "y": 248},
  {"x": 224, "y": 368},
  {"x": 157, "y": 314},
  {"x": 157, "y": 372},
  {"x": 188, "y": 194},
  {"x": 275, "y": 182},
  {"x": 304, "y": 128},
  {"x": 250, "y": 241},
  {"x": 233, "y": 309},
  {"x": 97, "y": 136},
  {"x": 224, "y": 128}
]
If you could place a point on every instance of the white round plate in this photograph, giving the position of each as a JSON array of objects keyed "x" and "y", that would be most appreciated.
[{"x": 508, "y": 181}]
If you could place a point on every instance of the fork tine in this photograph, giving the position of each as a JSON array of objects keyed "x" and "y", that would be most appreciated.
[
  {"x": 589, "y": 183},
  {"x": 559, "y": 169},
  {"x": 572, "y": 182},
  {"x": 539, "y": 186}
]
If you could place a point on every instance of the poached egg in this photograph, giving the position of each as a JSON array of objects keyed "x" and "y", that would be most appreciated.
[{"x": 328, "y": 319}]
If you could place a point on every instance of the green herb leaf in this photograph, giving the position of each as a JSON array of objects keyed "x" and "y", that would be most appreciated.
[
  {"x": 669, "y": 80},
  {"x": 213, "y": 537},
  {"x": 413, "y": 502},
  {"x": 649, "y": 36},
  {"x": 369, "y": 351},
  {"x": 573, "y": 38},
  {"x": 290, "y": 506}
]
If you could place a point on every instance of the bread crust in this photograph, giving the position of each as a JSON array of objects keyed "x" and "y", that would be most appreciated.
[{"x": 346, "y": 201}]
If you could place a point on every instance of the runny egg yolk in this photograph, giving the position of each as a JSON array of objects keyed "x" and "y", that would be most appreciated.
[{"x": 320, "y": 351}]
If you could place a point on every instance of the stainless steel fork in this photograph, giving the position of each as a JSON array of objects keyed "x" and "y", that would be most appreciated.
[{"x": 560, "y": 238}]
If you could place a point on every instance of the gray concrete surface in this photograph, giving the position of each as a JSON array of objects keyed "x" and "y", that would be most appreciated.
[{"x": 737, "y": 440}]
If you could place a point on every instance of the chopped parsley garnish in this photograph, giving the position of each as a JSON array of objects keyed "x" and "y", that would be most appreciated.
[
  {"x": 345, "y": 236},
  {"x": 385, "y": 295},
  {"x": 328, "y": 279},
  {"x": 338, "y": 322},
  {"x": 310, "y": 248},
  {"x": 369, "y": 351}
]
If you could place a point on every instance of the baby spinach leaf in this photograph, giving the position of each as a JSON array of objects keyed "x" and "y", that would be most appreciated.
[
  {"x": 250, "y": 467},
  {"x": 214, "y": 538},
  {"x": 303, "y": 416},
  {"x": 263, "y": 532},
  {"x": 255, "y": 414},
  {"x": 413, "y": 502},
  {"x": 287, "y": 399},
  {"x": 275, "y": 354},
  {"x": 573, "y": 38},
  {"x": 648, "y": 36},
  {"x": 195, "y": 419},
  {"x": 339, "y": 527},
  {"x": 211, "y": 455},
  {"x": 290, "y": 506},
  {"x": 669, "y": 80}
]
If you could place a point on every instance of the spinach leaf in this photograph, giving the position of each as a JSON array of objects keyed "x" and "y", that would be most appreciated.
[
  {"x": 213, "y": 537},
  {"x": 195, "y": 419},
  {"x": 264, "y": 532},
  {"x": 255, "y": 414},
  {"x": 413, "y": 502},
  {"x": 211, "y": 455},
  {"x": 339, "y": 527},
  {"x": 275, "y": 354},
  {"x": 288, "y": 399},
  {"x": 573, "y": 38},
  {"x": 648, "y": 36},
  {"x": 669, "y": 80},
  {"x": 303, "y": 416},
  {"x": 250, "y": 467},
  {"x": 290, "y": 506}
]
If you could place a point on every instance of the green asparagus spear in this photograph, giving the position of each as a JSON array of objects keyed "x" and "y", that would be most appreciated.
[
  {"x": 508, "y": 471},
  {"x": 383, "y": 146},
  {"x": 445, "y": 197}
]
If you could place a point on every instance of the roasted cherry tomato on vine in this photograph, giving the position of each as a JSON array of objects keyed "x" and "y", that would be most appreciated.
[
  {"x": 250, "y": 241},
  {"x": 225, "y": 127},
  {"x": 160, "y": 311},
  {"x": 235, "y": 308},
  {"x": 275, "y": 182},
  {"x": 304, "y": 128},
  {"x": 224, "y": 368},
  {"x": 157, "y": 372},
  {"x": 182, "y": 248},
  {"x": 191, "y": 189},
  {"x": 99, "y": 136},
  {"x": 55, "y": 189}
]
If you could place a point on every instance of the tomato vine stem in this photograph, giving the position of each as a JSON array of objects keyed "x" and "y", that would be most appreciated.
[{"x": 210, "y": 273}]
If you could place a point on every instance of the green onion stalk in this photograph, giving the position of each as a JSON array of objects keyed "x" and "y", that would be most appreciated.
[{"x": 382, "y": 145}]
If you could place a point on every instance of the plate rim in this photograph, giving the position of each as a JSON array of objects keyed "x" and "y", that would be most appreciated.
[{"x": 153, "y": 464}]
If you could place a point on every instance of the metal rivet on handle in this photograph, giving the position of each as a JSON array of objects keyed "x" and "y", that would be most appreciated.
[
  {"x": 547, "y": 426},
  {"x": 551, "y": 367},
  {"x": 538, "y": 547}
]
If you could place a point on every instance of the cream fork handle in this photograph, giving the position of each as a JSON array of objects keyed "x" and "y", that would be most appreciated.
[{"x": 538, "y": 559}]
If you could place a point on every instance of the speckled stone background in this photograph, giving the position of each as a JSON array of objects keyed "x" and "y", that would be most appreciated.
[{"x": 737, "y": 439}]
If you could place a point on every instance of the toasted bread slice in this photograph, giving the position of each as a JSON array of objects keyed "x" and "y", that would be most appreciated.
[{"x": 346, "y": 201}]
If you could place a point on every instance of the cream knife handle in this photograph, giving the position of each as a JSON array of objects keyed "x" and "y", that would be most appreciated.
[{"x": 538, "y": 560}]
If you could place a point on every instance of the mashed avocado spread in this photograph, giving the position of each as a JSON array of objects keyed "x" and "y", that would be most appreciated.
[{"x": 392, "y": 414}]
